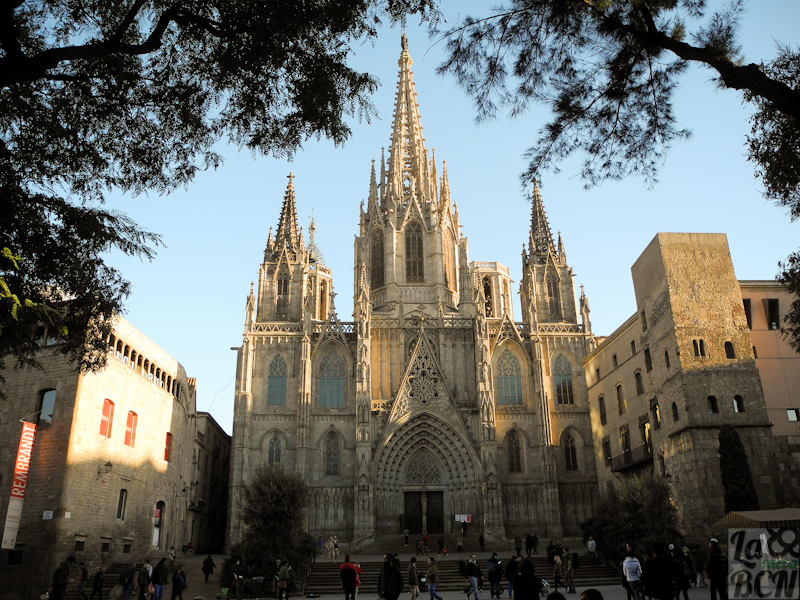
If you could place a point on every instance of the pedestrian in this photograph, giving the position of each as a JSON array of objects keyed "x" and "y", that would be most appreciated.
[
  {"x": 698, "y": 565},
  {"x": 237, "y": 579},
  {"x": 658, "y": 575},
  {"x": 178, "y": 583},
  {"x": 319, "y": 545},
  {"x": 475, "y": 575},
  {"x": 528, "y": 544},
  {"x": 83, "y": 579},
  {"x": 632, "y": 571},
  {"x": 172, "y": 552},
  {"x": 591, "y": 549},
  {"x": 460, "y": 543},
  {"x": 413, "y": 580},
  {"x": 419, "y": 545},
  {"x": 717, "y": 571},
  {"x": 406, "y": 533},
  {"x": 432, "y": 577},
  {"x": 426, "y": 541},
  {"x": 97, "y": 584},
  {"x": 160, "y": 574},
  {"x": 347, "y": 571},
  {"x": 61, "y": 579},
  {"x": 494, "y": 571},
  {"x": 569, "y": 571},
  {"x": 335, "y": 547},
  {"x": 441, "y": 543},
  {"x": 329, "y": 548},
  {"x": 127, "y": 579},
  {"x": 551, "y": 551},
  {"x": 556, "y": 571},
  {"x": 481, "y": 542},
  {"x": 284, "y": 580},
  {"x": 535, "y": 541},
  {"x": 390, "y": 579},
  {"x": 358, "y": 578},
  {"x": 511, "y": 572},
  {"x": 518, "y": 546},
  {"x": 143, "y": 580},
  {"x": 208, "y": 567},
  {"x": 527, "y": 586},
  {"x": 682, "y": 574}
]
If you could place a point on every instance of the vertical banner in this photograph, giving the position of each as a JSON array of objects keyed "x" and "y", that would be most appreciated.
[{"x": 19, "y": 484}]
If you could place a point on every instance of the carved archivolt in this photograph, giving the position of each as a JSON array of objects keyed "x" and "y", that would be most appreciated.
[{"x": 422, "y": 469}]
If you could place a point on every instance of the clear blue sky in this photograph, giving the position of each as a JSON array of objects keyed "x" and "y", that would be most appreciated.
[{"x": 191, "y": 299}]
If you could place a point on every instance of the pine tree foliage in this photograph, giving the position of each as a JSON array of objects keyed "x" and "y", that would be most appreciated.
[
  {"x": 273, "y": 507},
  {"x": 639, "y": 510},
  {"x": 132, "y": 96},
  {"x": 740, "y": 491}
]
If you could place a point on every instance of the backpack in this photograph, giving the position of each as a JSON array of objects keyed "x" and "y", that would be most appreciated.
[{"x": 491, "y": 566}]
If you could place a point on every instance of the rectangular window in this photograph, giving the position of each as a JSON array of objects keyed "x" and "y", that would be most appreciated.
[
  {"x": 126, "y": 548},
  {"x": 105, "y": 547},
  {"x": 597, "y": 374},
  {"x": 633, "y": 347},
  {"x": 793, "y": 414},
  {"x": 639, "y": 384},
  {"x": 648, "y": 363},
  {"x": 748, "y": 312},
  {"x": 620, "y": 400},
  {"x": 644, "y": 321},
  {"x": 624, "y": 438},
  {"x": 773, "y": 314},
  {"x": 614, "y": 360},
  {"x": 80, "y": 545},
  {"x": 107, "y": 419},
  {"x": 122, "y": 505},
  {"x": 607, "y": 451},
  {"x": 130, "y": 429},
  {"x": 168, "y": 447}
]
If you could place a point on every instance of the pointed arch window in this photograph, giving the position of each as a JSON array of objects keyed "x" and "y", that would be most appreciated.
[
  {"x": 331, "y": 380},
  {"x": 514, "y": 454},
  {"x": 332, "y": 456},
  {"x": 508, "y": 380},
  {"x": 570, "y": 453},
  {"x": 449, "y": 261},
  {"x": 282, "y": 295},
  {"x": 487, "y": 295},
  {"x": 553, "y": 295},
  {"x": 376, "y": 258},
  {"x": 276, "y": 382},
  {"x": 274, "y": 453},
  {"x": 415, "y": 259},
  {"x": 323, "y": 301},
  {"x": 562, "y": 373}
]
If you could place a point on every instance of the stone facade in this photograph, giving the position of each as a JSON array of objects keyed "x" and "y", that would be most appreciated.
[
  {"x": 661, "y": 385},
  {"x": 434, "y": 402},
  {"x": 208, "y": 502},
  {"x": 112, "y": 458}
]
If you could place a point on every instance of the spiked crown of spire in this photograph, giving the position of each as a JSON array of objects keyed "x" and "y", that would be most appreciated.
[
  {"x": 287, "y": 235},
  {"x": 541, "y": 240}
]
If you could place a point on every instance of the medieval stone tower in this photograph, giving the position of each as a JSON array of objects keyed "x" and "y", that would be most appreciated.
[{"x": 434, "y": 402}]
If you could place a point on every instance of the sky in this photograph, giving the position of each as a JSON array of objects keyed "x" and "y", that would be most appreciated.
[{"x": 191, "y": 299}]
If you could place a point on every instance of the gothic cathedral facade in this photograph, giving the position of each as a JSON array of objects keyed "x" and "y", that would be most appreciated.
[{"x": 434, "y": 402}]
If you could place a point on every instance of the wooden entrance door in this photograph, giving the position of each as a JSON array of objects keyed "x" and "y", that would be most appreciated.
[
  {"x": 435, "y": 512},
  {"x": 413, "y": 511}
]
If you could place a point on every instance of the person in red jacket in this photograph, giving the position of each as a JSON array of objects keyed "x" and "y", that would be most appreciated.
[{"x": 349, "y": 575}]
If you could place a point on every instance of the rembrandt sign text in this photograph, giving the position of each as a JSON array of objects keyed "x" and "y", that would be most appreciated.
[{"x": 19, "y": 484}]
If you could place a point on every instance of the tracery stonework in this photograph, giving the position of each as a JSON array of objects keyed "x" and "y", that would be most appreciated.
[{"x": 421, "y": 392}]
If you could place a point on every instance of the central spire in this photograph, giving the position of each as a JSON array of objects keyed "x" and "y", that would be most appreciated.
[
  {"x": 409, "y": 173},
  {"x": 541, "y": 241},
  {"x": 287, "y": 235}
]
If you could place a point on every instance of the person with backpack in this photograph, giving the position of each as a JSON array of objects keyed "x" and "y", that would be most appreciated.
[
  {"x": 143, "y": 581},
  {"x": 178, "y": 583},
  {"x": 494, "y": 571}
]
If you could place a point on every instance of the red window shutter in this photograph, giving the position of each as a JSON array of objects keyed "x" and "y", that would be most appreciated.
[
  {"x": 168, "y": 447},
  {"x": 130, "y": 429},
  {"x": 107, "y": 419}
]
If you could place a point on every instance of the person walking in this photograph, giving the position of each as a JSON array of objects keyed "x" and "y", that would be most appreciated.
[
  {"x": 682, "y": 574},
  {"x": 518, "y": 546},
  {"x": 390, "y": 579},
  {"x": 441, "y": 544},
  {"x": 406, "y": 533},
  {"x": 511, "y": 572},
  {"x": 61, "y": 579},
  {"x": 460, "y": 543},
  {"x": 413, "y": 579},
  {"x": 143, "y": 580},
  {"x": 284, "y": 580},
  {"x": 432, "y": 576},
  {"x": 527, "y": 586},
  {"x": 494, "y": 571},
  {"x": 556, "y": 571},
  {"x": 698, "y": 565},
  {"x": 329, "y": 548},
  {"x": 569, "y": 571},
  {"x": 632, "y": 570},
  {"x": 160, "y": 575},
  {"x": 591, "y": 549},
  {"x": 717, "y": 570},
  {"x": 426, "y": 541},
  {"x": 208, "y": 566},
  {"x": 475, "y": 575},
  {"x": 528, "y": 544},
  {"x": 658, "y": 575},
  {"x": 97, "y": 584},
  {"x": 481, "y": 542},
  {"x": 83, "y": 579},
  {"x": 419, "y": 546},
  {"x": 178, "y": 583},
  {"x": 319, "y": 545},
  {"x": 128, "y": 579},
  {"x": 335, "y": 547},
  {"x": 535, "y": 541},
  {"x": 347, "y": 571}
]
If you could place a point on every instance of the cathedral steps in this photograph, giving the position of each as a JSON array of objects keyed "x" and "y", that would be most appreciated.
[{"x": 325, "y": 578}]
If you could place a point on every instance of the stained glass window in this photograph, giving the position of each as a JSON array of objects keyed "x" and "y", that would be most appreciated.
[
  {"x": 514, "y": 454},
  {"x": 508, "y": 380},
  {"x": 562, "y": 373},
  {"x": 331, "y": 380},
  {"x": 332, "y": 456},
  {"x": 276, "y": 382},
  {"x": 415, "y": 258},
  {"x": 570, "y": 454}
]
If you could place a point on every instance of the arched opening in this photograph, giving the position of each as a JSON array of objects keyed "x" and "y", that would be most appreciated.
[
  {"x": 508, "y": 379},
  {"x": 282, "y": 294},
  {"x": 729, "y": 351},
  {"x": 553, "y": 295},
  {"x": 514, "y": 453},
  {"x": 738, "y": 404},
  {"x": 713, "y": 406},
  {"x": 488, "y": 302},
  {"x": 332, "y": 456},
  {"x": 274, "y": 451},
  {"x": 158, "y": 524},
  {"x": 570, "y": 453},
  {"x": 415, "y": 259},
  {"x": 449, "y": 261},
  {"x": 330, "y": 381},
  {"x": 276, "y": 382},
  {"x": 675, "y": 416},
  {"x": 562, "y": 374},
  {"x": 324, "y": 294},
  {"x": 376, "y": 258}
]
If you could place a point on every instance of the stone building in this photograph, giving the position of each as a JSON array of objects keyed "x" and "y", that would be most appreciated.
[
  {"x": 208, "y": 498},
  {"x": 110, "y": 463},
  {"x": 661, "y": 385},
  {"x": 434, "y": 402}
]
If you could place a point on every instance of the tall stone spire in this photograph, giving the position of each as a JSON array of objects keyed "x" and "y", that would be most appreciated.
[
  {"x": 287, "y": 234},
  {"x": 541, "y": 240},
  {"x": 408, "y": 159}
]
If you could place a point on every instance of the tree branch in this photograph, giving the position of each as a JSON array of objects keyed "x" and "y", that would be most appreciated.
[{"x": 126, "y": 22}]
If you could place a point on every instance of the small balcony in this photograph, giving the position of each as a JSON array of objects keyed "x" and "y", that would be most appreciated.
[
  {"x": 195, "y": 503},
  {"x": 632, "y": 458}
]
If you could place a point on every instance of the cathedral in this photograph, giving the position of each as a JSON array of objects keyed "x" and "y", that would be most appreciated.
[{"x": 434, "y": 405}]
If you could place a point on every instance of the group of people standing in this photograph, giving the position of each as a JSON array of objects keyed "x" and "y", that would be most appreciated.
[
  {"x": 150, "y": 580},
  {"x": 668, "y": 572},
  {"x": 331, "y": 547}
]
